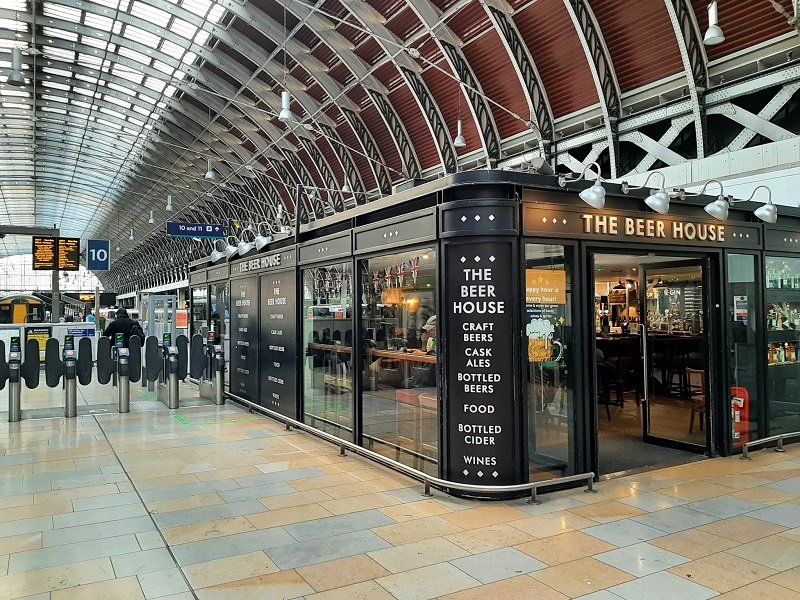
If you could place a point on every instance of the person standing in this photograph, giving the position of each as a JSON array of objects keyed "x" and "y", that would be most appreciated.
[{"x": 125, "y": 325}]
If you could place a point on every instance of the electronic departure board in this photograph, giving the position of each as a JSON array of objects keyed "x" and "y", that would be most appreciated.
[{"x": 51, "y": 253}]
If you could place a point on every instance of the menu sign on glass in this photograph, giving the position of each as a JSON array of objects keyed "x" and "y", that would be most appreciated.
[
  {"x": 278, "y": 346},
  {"x": 51, "y": 253},
  {"x": 480, "y": 371},
  {"x": 244, "y": 338}
]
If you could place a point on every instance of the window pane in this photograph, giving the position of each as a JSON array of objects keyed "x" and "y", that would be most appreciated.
[
  {"x": 328, "y": 338},
  {"x": 551, "y": 353},
  {"x": 783, "y": 332},
  {"x": 199, "y": 309},
  {"x": 399, "y": 327}
]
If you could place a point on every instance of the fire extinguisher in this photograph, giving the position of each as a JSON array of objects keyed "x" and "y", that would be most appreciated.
[{"x": 740, "y": 416}]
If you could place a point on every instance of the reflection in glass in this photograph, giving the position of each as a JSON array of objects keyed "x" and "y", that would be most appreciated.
[
  {"x": 742, "y": 328},
  {"x": 399, "y": 328},
  {"x": 783, "y": 337},
  {"x": 549, "y": 328},
  {"x": 328, "y": 341},
  {"x": 199, "y": 309}
]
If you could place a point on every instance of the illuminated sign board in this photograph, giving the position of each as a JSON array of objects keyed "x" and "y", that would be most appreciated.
[{"x": 51, "y": 253}]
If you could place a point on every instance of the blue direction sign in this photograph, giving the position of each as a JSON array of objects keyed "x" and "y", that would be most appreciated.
[
  {"x": 201, "y": 230},
  {"x": 98, "y": 255}
]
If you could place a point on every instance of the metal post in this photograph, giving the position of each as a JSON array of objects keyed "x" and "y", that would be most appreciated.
[
  {"x": 70, "y": 389},
  {"x": 173, "y": 401},
  {"x": 745, "y": 453},
  {"x": 779, "y": 447},
  {"x": 219, "y": 379},
  {"x": 534, "y": 499},
  {"x": 14, "y": 387},
  {"x": 124, "y": 389},
  {"x": 55, "y": 313},
  {"x": 427, "y": 491}
]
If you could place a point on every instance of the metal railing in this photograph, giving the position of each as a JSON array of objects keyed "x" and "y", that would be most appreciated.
[
  {"x": 764, "y": 441},
  {"x": 427, "y": 480}
]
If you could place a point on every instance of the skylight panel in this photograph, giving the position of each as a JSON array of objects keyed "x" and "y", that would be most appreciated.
[
  {"x": 59, "y": 11},
  {"x": 172, "y": 50},
  {"x": 61, "y": 34},
  {"x": 127, "y": 73},
  {"x": 117, "y": 101},
  {"x": 163, "y": 67},
  {"x": 132, "y": 54},
  {"x": 99, "y": 22},
  {"x": 142, "y": 36},
  {"x": 189, "y": 58},
  {"x": 216, "y": 14},
  {"x": 13, "y": 25},
  {"x": 49, "y": 97},
  {"x": 123, "y": 5},
  {"x": 96, "y": 43},
  {"x": 202, "y": 37},
  {"x": 197, "y": 7},
  {"x": 154, "y": 84},
  {"x": 56, "y": 86},
  {"x": 183, "y": 29},
  {"x": 57, "y": 72},
  {"x": 150, "y": 13}
]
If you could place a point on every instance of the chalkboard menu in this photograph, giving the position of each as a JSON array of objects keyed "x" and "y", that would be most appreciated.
[
  {"x": 51, "y": 253},
  {"x": 480, "y": 363},
  {"x": 278, "y": 345},
  {"x": 244, "y": 338}
]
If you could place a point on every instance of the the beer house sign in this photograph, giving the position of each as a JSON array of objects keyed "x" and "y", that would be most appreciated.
[{"x": 649, "y": 228}]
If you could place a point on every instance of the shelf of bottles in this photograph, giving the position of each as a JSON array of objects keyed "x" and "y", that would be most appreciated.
[{"x": 783, "y": 310}]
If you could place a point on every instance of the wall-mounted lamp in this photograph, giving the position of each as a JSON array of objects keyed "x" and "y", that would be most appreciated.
[
  {"x": 217, "y": 254},
  {"x": 714, "y": 33},
  {"x": 244, "y": 246},
  {"x": 594, "y": 196},
  {"x": 719, "y": 207},
  {"x": 231, "y": 249},
  {"x": 658, "y": 200},
  {"x": 15, "y": 76}
]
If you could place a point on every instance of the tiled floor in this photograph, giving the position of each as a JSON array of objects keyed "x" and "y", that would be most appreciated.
[{"x": 216, "y": 503}]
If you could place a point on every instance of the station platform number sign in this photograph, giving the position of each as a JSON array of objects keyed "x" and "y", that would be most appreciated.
[{"x": 98, "y": 255}]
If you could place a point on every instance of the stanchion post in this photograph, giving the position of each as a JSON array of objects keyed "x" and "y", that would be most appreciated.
[
  {"x": 14, "y": 388},
  {"x": 124, "y": 388},
  {"x": 779, "y": 447},
  {"x": 219, "y": 376},
  {"x": 173, "y": 399}
]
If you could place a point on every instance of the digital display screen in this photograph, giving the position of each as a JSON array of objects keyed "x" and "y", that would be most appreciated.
[{"x": 51, "y": 253}]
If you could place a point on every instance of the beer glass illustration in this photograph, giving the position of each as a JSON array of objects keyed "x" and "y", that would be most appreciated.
[{"x": 541, "y": 342}]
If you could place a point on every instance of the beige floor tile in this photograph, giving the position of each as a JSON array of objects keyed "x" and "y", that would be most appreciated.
[
  {"x": 363, "y": 487},
  {"x": 35, "y": 510},
  {"x": 552, "y": 524},
  {"x": 696, "y": 491},
  {"x": 581, "y": 577},
  {"x": 776, "y": 552},
  {"x": 722, "y": 572},
  {"x": 184, "y": 503},
  {"x": 322, "y": 482},
  {"x": 765, "y": 589},
  {"x": 742, "y": 529},
  {"x": 55, "y": 578},
  {"x": 605, "y": 492},
  {"x": 792, "y": 534},
  {"x": 296, "y": 499},
  {"x": 287, "y": 516},
  {"x": 283, "y": 585},
  {"x": 489, "y": 538},
  {"x": 149, "y": 483},
  {"x": 14, "y": 501},
  {"x": 739, "y": 481},
  {"x": 427, "y": 582},
  {"x": 124, "y": 487},
  {"x": 693, "y": 543},
  {"x": 483, "y": 516},
  {"x": 789, "y": 579},
  {"x": 564, "y": 548},
  {"x": 115, "y": 589},
  {"x": 605, "y": 512},
  {"x": 417, "y": 554},
  {"x": 764, "y": 495},
  {"x": 12, "y": 471},
  {"x": 368, "y": 590},
  {"x": 414, "y": 531},
  {"x": 777, "y": 474},
  {"x": 516, "y": 588},
  {"x": 342, "y": 572},
  {"x": 207, "y": 530},
  {"x": 226, "y": 570},
  {"x": 358, "y": 503},
  {"x": 218, "y": 474},
  {"x": 90, "y": 491},
  {"x": 21, "y": 543},
  {"x": 67, "y": 464},
  {"x": 415, "y": 510}
]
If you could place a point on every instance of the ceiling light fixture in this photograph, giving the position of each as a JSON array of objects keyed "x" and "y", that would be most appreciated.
[
  {"x": 594, "y": 196},
  {"x": 346, "y": 188},
  {"x": 152, "y": 220},
  {"x": 619, "y": 286},
  {"x": 459, "y": 141},
  {"x": 210, "y": 175},
  {"x": 658, "y": 200},
  {"x": 285, "y": 115},
  {"x": 15, "y": 76},
  {"x": 168, "y": 207},
  {"x": 131, "y": 237},
  {"x": 714, "y": 33}
]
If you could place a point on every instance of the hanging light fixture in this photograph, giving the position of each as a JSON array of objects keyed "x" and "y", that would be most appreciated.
[
  {"x": 619, "y": 286},
  {"x": 168, "y": 207},
  {"x": 714, "y": 33},
  {"x": 211, "y": 174},
  {"x": 130, "y": 237},
  {"x": 152, "y": 220},
  {"x": 15, "y": 76},
  {"x": 459, "y": 141},
  {"x": 660, "y": 285},
  {"x": 346, "y": 188},
  {"x": 658, "y": 200},
  {"x": 285, "y": 115},
  {"x": 594, "y": 196}
]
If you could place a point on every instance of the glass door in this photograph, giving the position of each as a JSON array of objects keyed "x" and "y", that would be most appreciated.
[{"x": 674, "y": 321}]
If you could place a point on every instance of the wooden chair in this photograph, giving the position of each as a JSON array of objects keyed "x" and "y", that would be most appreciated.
[{"x": 696, "y": 380}]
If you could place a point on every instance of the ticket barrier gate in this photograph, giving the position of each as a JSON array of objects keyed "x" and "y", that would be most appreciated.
[
  {"x": 120, "y": 364},
  {"x": 208, "y": 367},
  {"x": 167, "y": 365},
  {"x": 9, "y": 371}
]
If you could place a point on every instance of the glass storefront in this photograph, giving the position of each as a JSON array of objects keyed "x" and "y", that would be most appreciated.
[
  {"x": 199, "y": 309},
  {"x": 550, "y": 372},
  {"x": 782, "y": 307},
  {"x": 328, "y": 343},
  {"x": 399, "y": 392},
  {"x": 219, "y": 313}
]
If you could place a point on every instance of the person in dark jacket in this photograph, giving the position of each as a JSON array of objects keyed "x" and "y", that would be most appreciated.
[{"x": 125, "y": 325}]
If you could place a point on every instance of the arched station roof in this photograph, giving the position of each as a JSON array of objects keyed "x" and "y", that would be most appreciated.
[{"x": 127, "y": 102}]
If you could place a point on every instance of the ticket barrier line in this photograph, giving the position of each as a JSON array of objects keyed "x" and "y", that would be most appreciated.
[
  {"x": 208, "y": 367},
  {"x": 71, "y": 366}
]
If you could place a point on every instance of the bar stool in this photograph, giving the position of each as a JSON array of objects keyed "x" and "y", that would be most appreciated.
[{"x": 696, "y": 379}]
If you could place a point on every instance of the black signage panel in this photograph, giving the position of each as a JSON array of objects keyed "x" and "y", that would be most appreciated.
[
  {"x": 45, "y": 250},
  {"x": 278, "y": 342},
  {"x": 69, "y": 254},
  {"x": 480, "y": 363},
  {"x": 244, "y": 338}
]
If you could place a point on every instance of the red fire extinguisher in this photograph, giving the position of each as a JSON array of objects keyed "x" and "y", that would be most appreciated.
[{"x": 740, "y": 416}]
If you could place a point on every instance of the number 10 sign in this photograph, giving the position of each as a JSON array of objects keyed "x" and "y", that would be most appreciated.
[{"x": 98, "y": 257}]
